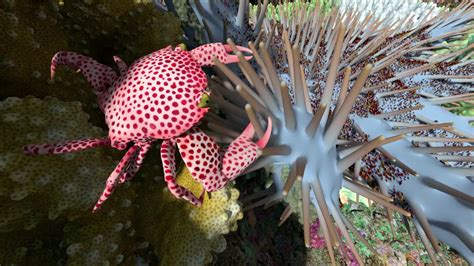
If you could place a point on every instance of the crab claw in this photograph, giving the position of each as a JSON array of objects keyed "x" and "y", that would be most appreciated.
[
  {"x": 98, "y": 75},
  {"x": 205, "y": 53},
  {"x": 211, "y": 166},
  {"x": 249, "y": 131},
  {"x": 235, "y": 58}
]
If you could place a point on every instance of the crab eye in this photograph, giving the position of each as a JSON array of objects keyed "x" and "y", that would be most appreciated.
[
  {"x": 183, "y": 46},
  {"x": 204, "y": 101}
]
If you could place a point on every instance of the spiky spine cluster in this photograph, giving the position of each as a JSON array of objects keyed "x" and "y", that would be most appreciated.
[{"x": 326, "y": 65}]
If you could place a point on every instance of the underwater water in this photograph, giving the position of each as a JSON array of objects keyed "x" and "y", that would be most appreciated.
[{"x": 266, "y": 132}]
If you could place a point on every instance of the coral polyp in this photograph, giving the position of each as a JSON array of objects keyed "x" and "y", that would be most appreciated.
[{"x": 343, "y": 94}]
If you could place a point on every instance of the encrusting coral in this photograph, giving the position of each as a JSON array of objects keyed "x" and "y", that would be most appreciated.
[
  {"x": 34, "y": 247},
  {"x": 107, "y": 237},
  {"x": 103, "y": 29},
  {"x": 90, "y": 27},
  {"x": 36, "y": 190},
  {"x": 27, "y": 50},
  {"x": 162, "y": 220}
]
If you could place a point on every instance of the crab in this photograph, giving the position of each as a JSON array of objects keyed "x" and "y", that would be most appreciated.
[{"x": 160, "y": 96}]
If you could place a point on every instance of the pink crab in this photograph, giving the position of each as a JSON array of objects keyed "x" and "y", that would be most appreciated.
[{"x": 160, "y": 97}]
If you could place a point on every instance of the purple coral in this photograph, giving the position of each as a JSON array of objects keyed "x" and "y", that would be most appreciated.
[{"x": 318, "y": 242}]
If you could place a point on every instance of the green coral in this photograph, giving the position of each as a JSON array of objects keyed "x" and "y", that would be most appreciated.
[
  {"x": 37, "y": 188},
  {"x": 103, "y": 29},
  {"x": 183, "y": 234},
  {"x": 100, "y": 29},
  {"x": 105, "y": 237},
  {"x": 27, "y": 51},
  {"x": 38, "y": 192}
]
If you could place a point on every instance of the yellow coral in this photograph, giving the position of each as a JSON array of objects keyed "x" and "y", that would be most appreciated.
[
  {"x": 183, "y": 234},
  {"x": 38, "y": 188}
]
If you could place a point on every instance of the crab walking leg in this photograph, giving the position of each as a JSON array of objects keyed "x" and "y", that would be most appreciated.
[
  {"x": 64, "y": 147},
  {"x": 213, "y": 167},
  {"x": 122, "y": 66},
  {"x": 135, "y": 163},
  {"x": 169, "y": 166},
  {"x": 98, "y": 75},
  {"x": 112, "y": 180}
]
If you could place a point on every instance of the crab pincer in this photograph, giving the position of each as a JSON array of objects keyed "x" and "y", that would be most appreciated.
[{"x": 208, "y": 164}]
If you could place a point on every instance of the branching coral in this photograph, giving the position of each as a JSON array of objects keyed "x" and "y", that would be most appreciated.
[{"x": 336, "y": 65}]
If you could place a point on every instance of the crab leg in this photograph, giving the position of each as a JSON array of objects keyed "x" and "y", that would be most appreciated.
[
  {"x": 114, "y": 176},
  {"x": 214, "y": 167},
  {"x": 122, "y": 66},
  {"x": 98, "y": 75},
  {"x": 135, "y": 162},
  {"x": 205, "y": 53},
  {"x": 169, "y": 166},
  {"x": 64, "y": 147}
]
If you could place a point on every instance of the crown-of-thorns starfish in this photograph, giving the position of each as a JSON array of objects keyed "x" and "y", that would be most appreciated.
[{"x": 160, "y": 96}]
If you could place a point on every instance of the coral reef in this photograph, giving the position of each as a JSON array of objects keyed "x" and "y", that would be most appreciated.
[
  {"x": 415, "y": 77},
  {"x": 46, "y": 200},
  {"x": 91, "y": 27},
  {"x": 107, "y": 237},
  {"x": 37, "y": 190},
  {"x": 161, "y": 220},
  {"x": 103, "y": 29},
  {"x": 27, "y": 51}
]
